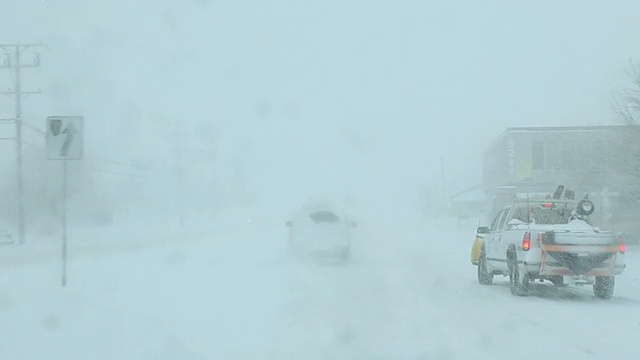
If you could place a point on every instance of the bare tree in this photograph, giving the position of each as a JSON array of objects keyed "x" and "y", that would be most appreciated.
[
  {"x": 627, "y": 101},
  {"x": 626, "y": 104}
]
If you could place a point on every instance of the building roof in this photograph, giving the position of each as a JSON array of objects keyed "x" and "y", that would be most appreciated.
[
  {"x": 534, "y": 129},
  {"x": 565, "y": 128}
]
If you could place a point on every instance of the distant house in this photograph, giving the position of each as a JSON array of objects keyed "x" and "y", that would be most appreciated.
[
  {"x": 601, "y": 161},
  {"x": 468, "y": 203}
]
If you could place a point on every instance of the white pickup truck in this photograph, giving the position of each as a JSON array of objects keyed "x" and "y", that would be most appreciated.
[{"x": 551, "y": 239}]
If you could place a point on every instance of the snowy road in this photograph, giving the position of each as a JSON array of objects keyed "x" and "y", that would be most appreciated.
[{"x": 409, "y": 293}]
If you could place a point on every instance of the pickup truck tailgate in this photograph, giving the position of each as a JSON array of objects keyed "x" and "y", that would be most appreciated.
[
  {"x": 561, "y": 237},
  {"x": 578, "y": 253}
]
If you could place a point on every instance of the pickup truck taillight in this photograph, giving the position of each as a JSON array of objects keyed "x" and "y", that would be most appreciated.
[
  {"x": 526, "y": 241},
  {"x": 621, "y": 247}
]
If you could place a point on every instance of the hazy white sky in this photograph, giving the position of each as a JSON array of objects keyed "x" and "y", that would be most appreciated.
[{"x": 358, "y": 93}]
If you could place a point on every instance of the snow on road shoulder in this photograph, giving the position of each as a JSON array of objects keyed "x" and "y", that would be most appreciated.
[{"x": 410, "y": 292}]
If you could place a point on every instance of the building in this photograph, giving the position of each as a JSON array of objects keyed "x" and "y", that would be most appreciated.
[{"x": 601, "y": 161}]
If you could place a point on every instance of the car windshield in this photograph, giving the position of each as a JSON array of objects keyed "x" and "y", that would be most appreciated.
[{"x": 324, "y": 217}]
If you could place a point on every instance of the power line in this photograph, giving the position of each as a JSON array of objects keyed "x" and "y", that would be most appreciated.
[
  {"x": 34, "y": 128},
  {"x": 111, "y": 172},
  {"x": 115, "y": 162}
]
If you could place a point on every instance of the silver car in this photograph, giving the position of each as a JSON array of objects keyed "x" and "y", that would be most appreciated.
[{"x": 320, "y": 232}]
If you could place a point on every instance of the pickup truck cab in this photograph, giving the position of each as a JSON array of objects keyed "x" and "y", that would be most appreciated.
[{"x": 551, "y": 239}]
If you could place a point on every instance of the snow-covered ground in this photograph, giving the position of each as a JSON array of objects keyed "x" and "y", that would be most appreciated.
[{"x": 227, "y": 290}]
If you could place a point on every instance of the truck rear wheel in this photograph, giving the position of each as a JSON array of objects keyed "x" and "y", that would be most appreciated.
[
  {"x": 557, "y": 280},
  {"x": 484, "y": 276},
  {"x": 519, "y": 283},
  {"x": 603, "y": 288}
]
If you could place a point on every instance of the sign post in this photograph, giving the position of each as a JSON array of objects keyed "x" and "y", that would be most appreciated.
[{"x": 64, "y": 142}]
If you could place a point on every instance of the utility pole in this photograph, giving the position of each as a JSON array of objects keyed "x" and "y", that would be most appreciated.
[
  {"x": 16, "y": 65},
  {"x": 178, "y": 127},
  {"x": 443, "y": 177}
]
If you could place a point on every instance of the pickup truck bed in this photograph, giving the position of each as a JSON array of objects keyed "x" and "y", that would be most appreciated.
[{"x": 578, "y": 253}]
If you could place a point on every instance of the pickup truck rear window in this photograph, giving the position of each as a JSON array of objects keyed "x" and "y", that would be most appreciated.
[{"x": 541, "y": 215}]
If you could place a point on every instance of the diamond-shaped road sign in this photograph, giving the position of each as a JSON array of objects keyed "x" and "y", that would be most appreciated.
[{"x": 64, "y": 137}]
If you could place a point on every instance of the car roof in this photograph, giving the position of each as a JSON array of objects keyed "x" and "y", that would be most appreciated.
[{"x": 309, "y": 209}]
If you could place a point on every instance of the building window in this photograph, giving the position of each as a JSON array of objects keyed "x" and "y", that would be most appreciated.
[
  {"x": 569, "y": 156},
  {"x": 537, "y": 155},
  {"x": 552, "y": 155}
]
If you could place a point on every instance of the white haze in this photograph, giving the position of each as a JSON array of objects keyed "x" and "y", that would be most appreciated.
[
  {"x": 237, "y": 110},
  {"x": 358, "y": 98}
]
